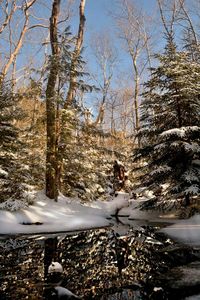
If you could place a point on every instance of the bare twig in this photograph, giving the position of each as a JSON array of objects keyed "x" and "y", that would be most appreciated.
[
  {"x": 8, "y": 14},
  {"x": 182, "y": 5},
  {"x": 19, "y": 43},
  {"x": 38, "y": 25}
]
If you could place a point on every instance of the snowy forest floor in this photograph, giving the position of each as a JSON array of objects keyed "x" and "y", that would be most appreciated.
[{"x": 46, "y": 216}]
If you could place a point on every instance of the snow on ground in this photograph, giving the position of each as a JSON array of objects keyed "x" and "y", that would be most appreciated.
[
  {"x": 185, "y": 231},
  {"x": 115, "y": 204},
  {"x": 134, "y": 212},
  {"x": 51, "y": 217},
  {"x": 48, "y": 216}
]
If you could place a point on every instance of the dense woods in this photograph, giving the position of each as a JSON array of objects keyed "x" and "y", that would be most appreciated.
[{"x": 74, "y": 101}]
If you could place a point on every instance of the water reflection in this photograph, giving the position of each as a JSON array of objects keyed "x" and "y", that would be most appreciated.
[
  {"x": 88, "y": 258},
  {"x": 21, "y": 271},
  {"x": 125, "y": 294},
  {"x": 110, "y": 263}
]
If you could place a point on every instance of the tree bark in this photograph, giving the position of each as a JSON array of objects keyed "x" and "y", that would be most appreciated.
[
  {"x": 51, "y": 105},
  {"x": 71, "y": 92},
  {"x": 50, "y": 253},
  {"x": 136, "y": 93},
  {"x": 187, "y": 200},
  {"x": 79, "y": 42}
]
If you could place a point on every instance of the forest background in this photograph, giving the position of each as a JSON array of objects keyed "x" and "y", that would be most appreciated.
[{"x": 84, "y": 83}]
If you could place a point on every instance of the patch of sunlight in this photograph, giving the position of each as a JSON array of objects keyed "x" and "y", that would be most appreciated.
[
  {"x": 49, "y": 214},
  {"x": 30, "y": 216},
  {"x": 9, "y": 216},
  {"x": 41, "y": 203}
]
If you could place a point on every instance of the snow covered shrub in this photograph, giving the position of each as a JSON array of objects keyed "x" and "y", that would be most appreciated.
[{"x": 13, "y": 205}]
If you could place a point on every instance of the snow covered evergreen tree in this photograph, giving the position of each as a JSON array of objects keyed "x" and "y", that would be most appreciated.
[
  {"x": 87, "y": 166},
  {"x": 170, "y": 133},
  {"x": 12, "y": 182}
]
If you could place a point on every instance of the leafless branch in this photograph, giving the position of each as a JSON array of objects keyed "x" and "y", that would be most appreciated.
[
  {"x": 19, "y": 42},
  {"x": 163, "y": 18},
  {"x": 189, "y": 20},
  {"x": 8, "y": 15},
  {"x": 38, "y": 25}
]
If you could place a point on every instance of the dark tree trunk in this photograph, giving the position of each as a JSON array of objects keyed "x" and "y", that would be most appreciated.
[
  {"x": 187, "y": 200},
  {"x": 50, "y": 253},
  {"x": 51, "y": 105}
]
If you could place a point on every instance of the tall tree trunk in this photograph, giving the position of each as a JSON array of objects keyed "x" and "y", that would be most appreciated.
[
  {"x": 51, "y": 104},
  {"x": 71, "y": 91},
  {"x": 136, "y": 94},
  {"x": 186, "y": 202},
  {"x": 77, "y": 51}
]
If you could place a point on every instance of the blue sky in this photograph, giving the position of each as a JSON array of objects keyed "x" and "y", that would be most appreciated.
[
  {"x": 97, "y": 19},
  {"x": 97, "y": 11}
]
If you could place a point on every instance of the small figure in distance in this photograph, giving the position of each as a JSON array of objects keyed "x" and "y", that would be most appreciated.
[
  {"x": 119, "y": 175},
  {"x": 119, "y": 170}
]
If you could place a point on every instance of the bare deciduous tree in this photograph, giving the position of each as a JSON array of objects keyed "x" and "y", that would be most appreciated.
[
  {"x": 78, "y": 46},
  {"x": 130, "y": 24},
  {"x": 8, "y": 13},
  {"x": 16, "y": 45},
  {"x": 168, "y": 23},
  {"x": 61, "y": 141},
  {"x": 106, "y": 58}
]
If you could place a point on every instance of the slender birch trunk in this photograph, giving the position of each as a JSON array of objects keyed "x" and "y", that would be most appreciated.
[
  {"x": 79, "y": 42},
  {"x": 71, "y": 92}
]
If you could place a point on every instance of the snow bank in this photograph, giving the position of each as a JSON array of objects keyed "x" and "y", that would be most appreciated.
[
  {"x": 48, "y": 216},
  {"x": 64, "y": 293},
  {"x": 113, "y": 206}
]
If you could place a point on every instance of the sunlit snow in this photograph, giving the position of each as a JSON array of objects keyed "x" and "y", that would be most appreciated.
[{"x": 47, "y": 216}]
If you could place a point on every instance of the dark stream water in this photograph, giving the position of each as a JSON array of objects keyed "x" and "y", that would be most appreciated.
[{"x": 128, "y": 261}]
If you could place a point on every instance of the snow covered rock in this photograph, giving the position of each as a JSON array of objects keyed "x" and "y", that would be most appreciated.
[
  {"x": 56, "y": 291},
  {"x": 55, "y": 267}
]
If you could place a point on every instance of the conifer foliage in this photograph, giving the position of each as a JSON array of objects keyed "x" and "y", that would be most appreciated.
[
  {"x": 12, "y": 181},
  {"x": 170, "y": 133}
]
